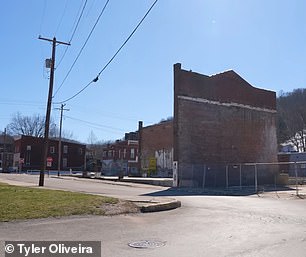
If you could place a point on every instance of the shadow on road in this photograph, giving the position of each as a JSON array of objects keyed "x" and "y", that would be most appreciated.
[{"x": 217, "y": 191}]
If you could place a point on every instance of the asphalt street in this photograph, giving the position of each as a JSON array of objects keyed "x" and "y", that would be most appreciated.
[
  {"x": 203, "y": 226},
  {"x": 115, "y": 189}
]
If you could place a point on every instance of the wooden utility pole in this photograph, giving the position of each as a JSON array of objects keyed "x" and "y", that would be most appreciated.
[
  {"x": 47, "y": 122},
  {"x": 60, "y": 139},
  {"x": 4, "y": 154}
]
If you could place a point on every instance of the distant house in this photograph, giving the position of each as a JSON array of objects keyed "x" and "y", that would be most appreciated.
[
  {"x": 121, "y": 156},
  {"x": 289, "y": 158},
  {"x": 28, "y": 153},
  {"x": 148, "y": 150},
  {"x": 6, "y": 151}
]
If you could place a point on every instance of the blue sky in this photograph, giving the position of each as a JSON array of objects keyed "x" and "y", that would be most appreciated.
[{"x": 263, "y": 41}]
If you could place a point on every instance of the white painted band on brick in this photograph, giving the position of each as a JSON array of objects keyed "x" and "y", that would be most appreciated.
[{"x": 202, "y": 100}]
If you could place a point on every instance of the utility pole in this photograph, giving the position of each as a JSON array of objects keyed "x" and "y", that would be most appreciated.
[
  {"x": 60, "y": 138},
  {"x": 4, "y": 155},
  {"x": 47, "y": 122}
]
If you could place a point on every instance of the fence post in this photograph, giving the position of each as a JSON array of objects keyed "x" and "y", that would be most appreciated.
[
  {"x": 192, "y": 183},
  {"x": 226, "y": 174},
  {"x": 296, "y": 179},
  {"x": 240, "y": 174},
  {"x": 204, "y": 176},
  {"x": 256, "y": 186}
]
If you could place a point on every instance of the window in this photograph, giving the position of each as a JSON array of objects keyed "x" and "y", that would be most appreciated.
[
  {"x": 124, "y": 153},
  {"x": 80, "y": 151},
  {"x": 64, "y": 162},
  {"x": 132, "y": 153},
  {"x": 28, "y": 158},
  {"x": 52, "y": 149},
  {"x": 65, "y": 149},
  {"x": 119, "y": 154},
  {"x": 110, "y": 153},
  {"x": 28, "y": 148},
  {"x": 104, "y": 153}
]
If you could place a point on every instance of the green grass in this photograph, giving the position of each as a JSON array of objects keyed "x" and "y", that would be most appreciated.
[{"x": 30, "y": 203}]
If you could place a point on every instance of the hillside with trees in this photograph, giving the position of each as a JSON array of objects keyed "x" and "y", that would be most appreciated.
[{"x": 291, "y": 118}]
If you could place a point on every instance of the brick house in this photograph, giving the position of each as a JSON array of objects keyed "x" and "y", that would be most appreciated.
[
  {"x": 28, "y": 153},
  {"x": 289, "y": 158},
  {"x": 121, "y": 156}
]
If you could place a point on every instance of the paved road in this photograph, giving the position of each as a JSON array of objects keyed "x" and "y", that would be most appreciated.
[
  {"x": 116, "y": 189},
  {"x": 203, "y": 226}
]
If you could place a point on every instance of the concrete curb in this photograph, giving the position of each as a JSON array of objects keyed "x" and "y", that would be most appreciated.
[{"x": 156, "y": 207}]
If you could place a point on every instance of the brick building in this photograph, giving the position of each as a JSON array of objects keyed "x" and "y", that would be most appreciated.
[
  {"x": 121, "y": 156},
  {"x": 6, "y": 152},
  {"x": 221, "y": 119},
  {"x": 289, "y": 158},
  {"x": 156, "y": 144},
  {"x": 28, "y": 151}
]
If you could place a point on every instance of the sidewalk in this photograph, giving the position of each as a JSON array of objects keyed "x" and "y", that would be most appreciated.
[
  {"x": 145, "y": 203},
  {"x": 165, "y": 182}
]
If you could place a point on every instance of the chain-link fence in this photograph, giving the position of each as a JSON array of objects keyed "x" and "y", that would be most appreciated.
[{"x": 257, "y": 175}]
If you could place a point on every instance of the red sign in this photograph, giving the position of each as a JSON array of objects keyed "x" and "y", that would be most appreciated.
[{"x": 49, "y": 159}]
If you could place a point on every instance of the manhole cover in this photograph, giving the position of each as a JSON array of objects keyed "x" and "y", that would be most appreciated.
[{"x": 147, "y": 244}]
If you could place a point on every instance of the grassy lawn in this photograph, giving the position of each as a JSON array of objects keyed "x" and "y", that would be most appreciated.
[{"x": 29, "y": 203}]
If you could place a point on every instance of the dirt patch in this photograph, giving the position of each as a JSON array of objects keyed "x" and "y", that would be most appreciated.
[{"x": 122, "y": 207}]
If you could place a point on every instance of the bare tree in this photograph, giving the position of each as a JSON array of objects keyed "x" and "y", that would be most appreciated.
[
  {"x": 29, "y": 125},
  {"x": 291, "y": 108},
  {"x": 96, "y": 146}
]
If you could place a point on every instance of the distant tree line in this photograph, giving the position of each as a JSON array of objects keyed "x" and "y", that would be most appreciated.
[
  {"x": 291, "y": 118},
  {"x": 33, "y": 126}
]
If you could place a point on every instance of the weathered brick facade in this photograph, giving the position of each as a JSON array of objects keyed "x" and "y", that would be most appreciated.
[
  {"x": 30, "y": 148},
  {"x": 157, "y": 143},
  {"x": 221, "y": 119}
]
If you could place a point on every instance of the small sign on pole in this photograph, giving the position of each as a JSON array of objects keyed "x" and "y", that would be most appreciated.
[{"x": 49, "y": 161}]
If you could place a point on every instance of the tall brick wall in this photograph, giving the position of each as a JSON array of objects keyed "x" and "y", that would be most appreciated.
[
  {"x": 221, "y": 119},
  {"x": 156, "y": 138}
]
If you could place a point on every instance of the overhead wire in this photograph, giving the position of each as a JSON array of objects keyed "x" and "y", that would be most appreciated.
[
  {"x": 73, "y": 33},
  {"x": 113, "y": 57},
  {"x": 125, "y": 42},
  {"x": 82, "y": 48},
  {"x": 78, "y": 22},
  {"x": 61, "y": 19},
  {"x": 95, "y": 124}
]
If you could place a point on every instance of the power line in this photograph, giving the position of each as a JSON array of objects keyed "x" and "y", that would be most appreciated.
[
  {"x": 73, "y": 33},
  {"x": 21, "y": 103},
  {"x": 94, "y": 124},
  {"x": 128, "y": 38},
  {"x": 78, "y": 22},
  {"x": 111, "y": 115},
  {"x": 114, "y": 56},
  {"x": 76, "y": 93},
  {"x": 81, "y": 50},
  {"x": 61, "y": 19}
]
